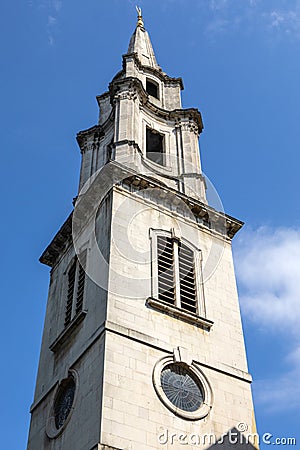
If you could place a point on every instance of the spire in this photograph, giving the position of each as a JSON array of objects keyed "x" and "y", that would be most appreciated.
[{"x": 140, "y": 43}]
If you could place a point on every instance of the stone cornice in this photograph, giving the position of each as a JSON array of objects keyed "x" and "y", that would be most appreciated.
[
  {"x": 145, "y": 162},
  {"x": 179, "y": 313},
  {"x": 159, "y": 73},
  {"x": 83, "y": 135},
  {"x": 157, "y": 344},
  {"x": 62, "y": 238},
  {"x": 128, "y": 87},
  {"x": 101, "y": 96},
  {"x": 120, "y": 74},
  {"x": 67, "y": 332},
  {"x": 149, "y": 341},
  {"x": 97, "y": 132},
  {"x": 213, "y": 220}
]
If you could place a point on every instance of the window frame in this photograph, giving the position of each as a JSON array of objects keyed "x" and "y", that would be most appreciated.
[
  {"x": 199, "y": 296},
  {"x": 51, "y": 430},
  {"x": 156, "y": 85},
  {"x": 162, "y": 153},
  {"x": 79, "y": 269},
  {"x": 193, "y": 367}
]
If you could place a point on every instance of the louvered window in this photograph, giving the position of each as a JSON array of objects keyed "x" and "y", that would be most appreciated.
[
  {"x": 176, "y": 274},
  {"x": 166, "y": 280},
  {"x": 80, "y": 288},
  {"x": 70, "y": 295},
  {"x": 187, "y": 278},
  {"x": 75, "y": 292}
]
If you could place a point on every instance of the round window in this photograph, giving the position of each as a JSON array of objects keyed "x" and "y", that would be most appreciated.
[
  {"x": 64, "y": 398},
  {"x": 64, "y": 401},
  {"x": 181, "y": 387}
]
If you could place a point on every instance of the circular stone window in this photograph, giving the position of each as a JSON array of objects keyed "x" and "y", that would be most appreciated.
[
  {"x": 63, "y": 405},
  {"x": 182, "y": 388},
  {"x": 64, "y": 401}
]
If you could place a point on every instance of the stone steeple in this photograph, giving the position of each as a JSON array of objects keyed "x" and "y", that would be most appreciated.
[{"x": 142, "y": 332}]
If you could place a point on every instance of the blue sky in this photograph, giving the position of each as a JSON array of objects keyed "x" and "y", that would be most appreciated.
[{"x": 240, "y": 63}]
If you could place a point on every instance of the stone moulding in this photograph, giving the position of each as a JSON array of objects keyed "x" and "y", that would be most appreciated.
[
  {"x": 62, "y": 238},
  {"x": 129, "y": 84},
  {"x": 158, "y": 72},
  {"x": 213, "y": 220},
  {"x": 97, "y": 131},
  {"x": 104, "y": 447},
  {"x": 206, "y": 406},
  {"x": 179, "y": 313},
  {"x": 51, "y": 430},
  {"x": 65, "y": 334}
]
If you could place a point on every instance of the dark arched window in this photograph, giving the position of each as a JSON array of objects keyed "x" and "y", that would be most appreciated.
[
  {"x": 152, "y": 88},
  {"x": 155, "y": 146},
  {"x": 64, "y": 401}
]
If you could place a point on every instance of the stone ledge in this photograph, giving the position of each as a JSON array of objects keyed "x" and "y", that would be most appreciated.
[
  {"x": 132, "y": 86},
  {"x": 219, "y": 222},
  {"x": 104, "y": 447},
  {"x": 211, "y": 219},
  {"x": 58, "y": 243},
  {"x": 158, "y": 72},
  {"x": 60, "y": 340},
  {"x": 216, "y": 366},
  {"x": 91, "y": 340},
  {"x": 178, "y": 313}
]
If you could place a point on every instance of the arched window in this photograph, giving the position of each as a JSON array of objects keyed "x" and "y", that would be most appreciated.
[
  {"x": 152, "y": 88},
  {"x": 176, "y": 273},
  {"x": 155, "y": 146},
  {"x": 177, "y": 279},
  {"x": 75, "y": 291}
]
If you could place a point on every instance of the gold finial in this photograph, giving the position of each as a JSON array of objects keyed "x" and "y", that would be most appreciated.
[{"x": 140, "y": 22}]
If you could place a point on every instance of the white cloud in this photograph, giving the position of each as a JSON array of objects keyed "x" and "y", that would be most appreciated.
[
  {"x": 217, "y": 26},
  {"x": 286, "y": 21},
  {"x": 276, "y": 18},
  {"x": 50, "y": 9},
  {"x": 281, "y": 393},
  {"x": 217, "y": 5},
  {"x": 268, "y": 273},
  {"x": 279, "y": 17},
  {"x": 56, "y": 5},
  {"x": 268, "y": 270},
  {"x": 52, "y": 21}
]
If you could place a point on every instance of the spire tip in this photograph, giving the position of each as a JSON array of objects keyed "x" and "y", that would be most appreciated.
[{"x": 140, "y": 22}]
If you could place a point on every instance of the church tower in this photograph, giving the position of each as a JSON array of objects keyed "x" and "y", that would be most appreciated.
[{"x": 143, "y": 346}]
